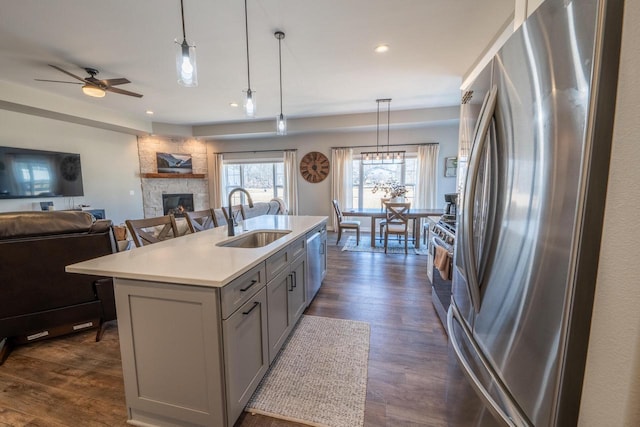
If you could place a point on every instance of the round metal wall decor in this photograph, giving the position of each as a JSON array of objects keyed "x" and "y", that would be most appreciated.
[
  {"x": 314, "y": 167},
  {"x": 70, "y": 168}
]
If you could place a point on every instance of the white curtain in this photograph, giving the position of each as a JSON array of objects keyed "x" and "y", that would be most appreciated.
[
  {"x": 427, "y": 185},
  {"x": 341, "y": 178},
  {"x": 216, "y": 180},
  {"x": 291, "y": 181}
]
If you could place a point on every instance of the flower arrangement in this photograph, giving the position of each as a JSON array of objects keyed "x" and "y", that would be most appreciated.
[{"x": 391, "y": 188}]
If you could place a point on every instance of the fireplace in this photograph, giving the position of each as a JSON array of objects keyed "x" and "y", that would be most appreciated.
[{"x": 177, "y": 204}]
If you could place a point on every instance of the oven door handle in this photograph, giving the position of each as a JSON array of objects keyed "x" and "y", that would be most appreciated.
[{"x": 437, "y": 241}]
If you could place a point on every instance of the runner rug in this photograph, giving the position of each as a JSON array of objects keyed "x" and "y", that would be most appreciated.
[
  {"x": 320, "y": 376},
  {"x": 394, "y": 246}
]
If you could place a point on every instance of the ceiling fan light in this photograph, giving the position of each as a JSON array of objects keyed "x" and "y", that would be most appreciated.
[
  {"x": 94, "y": 91},
  {"x": 186, "y": 64}
]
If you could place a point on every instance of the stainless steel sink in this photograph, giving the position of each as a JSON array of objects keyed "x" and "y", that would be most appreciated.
[{"x": 255, "y": 239}]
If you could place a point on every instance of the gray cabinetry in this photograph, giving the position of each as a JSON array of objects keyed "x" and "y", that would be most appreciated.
[
  {"x": 241, "y": 289},
  {"x": 277, "y": 263},
  {"x": 279, "y": 321},
  {"x": 297, "y": 287},
  {"x": 286, "y": 295},
  {"x": 171, "y": 360},
  {"x": 246, "y": 355},
  {"x": 194, "y": 355}
]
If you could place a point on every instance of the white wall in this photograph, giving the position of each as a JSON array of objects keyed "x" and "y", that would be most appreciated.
[
  {"x": 314, "y": 199},
  {"x": 611, "y": 391},
  {"x": 109, "y": 159}
]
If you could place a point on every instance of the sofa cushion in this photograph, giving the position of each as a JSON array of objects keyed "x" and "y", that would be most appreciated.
[
  {"x": 258, "y": 209},
  {"x": 28, "y": 224}
]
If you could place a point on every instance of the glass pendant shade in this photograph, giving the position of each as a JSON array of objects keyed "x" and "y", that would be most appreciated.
[
  {"x": 250, "y": 103},
  {"x": 281, "y": 124},
  {"x": 186, "y": 64}
]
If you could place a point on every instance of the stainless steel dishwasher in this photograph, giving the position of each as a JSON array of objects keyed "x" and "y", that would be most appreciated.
[{"x": 316, "y": 260}]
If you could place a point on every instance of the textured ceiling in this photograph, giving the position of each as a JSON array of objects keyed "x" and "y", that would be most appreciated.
[{"x": 328, "y": 59}]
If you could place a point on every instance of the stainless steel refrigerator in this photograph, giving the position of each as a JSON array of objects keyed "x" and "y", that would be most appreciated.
[{"x": 531, "y": 210}]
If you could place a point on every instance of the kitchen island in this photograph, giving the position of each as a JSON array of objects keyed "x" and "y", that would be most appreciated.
[{"x": 200, "y": 319}]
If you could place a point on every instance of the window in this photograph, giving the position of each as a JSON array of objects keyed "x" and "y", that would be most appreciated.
[
  {"x": 264, "y": 180},
  {"x": 365, "y": 177},
  {"x": 33, "y": 176}
]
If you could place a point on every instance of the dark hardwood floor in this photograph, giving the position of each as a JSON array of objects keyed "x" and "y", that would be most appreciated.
[{"x": 74, "y": 381}]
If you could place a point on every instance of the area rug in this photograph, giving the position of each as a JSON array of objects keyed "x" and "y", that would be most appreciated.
[
  {"x": 320, "y": 376},
  {"x": 394, "y": 247}
]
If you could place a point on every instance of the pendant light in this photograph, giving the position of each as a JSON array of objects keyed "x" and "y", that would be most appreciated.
[
  {"x": 250, "y": 96},
  {"x": 281, "y": 121},
  {"x": 186, "y": 58},
  {"x": 383, "y": 157}
]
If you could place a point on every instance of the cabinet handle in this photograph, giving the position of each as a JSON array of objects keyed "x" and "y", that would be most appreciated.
[
  {"x": 253, "y": 282},
  {"x": 294, "y": 281},
  {"x": 255, "y": 304},
  {"x": 290, "y": 279}
]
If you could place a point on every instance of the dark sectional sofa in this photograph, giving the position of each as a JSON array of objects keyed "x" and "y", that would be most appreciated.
[{"x": 38, "y": 298}]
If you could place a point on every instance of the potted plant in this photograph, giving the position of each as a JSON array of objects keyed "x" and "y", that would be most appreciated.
[{"x": 392, "y": 189}]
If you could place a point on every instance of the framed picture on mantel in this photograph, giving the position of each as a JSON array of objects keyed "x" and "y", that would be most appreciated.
[
  {"x": 174, "y": 163},
  {"x": 450, "y": 166}
]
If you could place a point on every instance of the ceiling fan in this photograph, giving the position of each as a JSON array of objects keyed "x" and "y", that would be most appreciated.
[{"x": 93, "y": 86}]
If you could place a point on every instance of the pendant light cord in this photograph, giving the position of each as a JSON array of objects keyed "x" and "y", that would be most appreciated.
[
  {"x": 280, "y": 64},
  {"x": 388, "y": 123},
  {"x": 184, "y": 33},
  {"x": 378, "y": 125},
  {"x": 246, "y": 32}
]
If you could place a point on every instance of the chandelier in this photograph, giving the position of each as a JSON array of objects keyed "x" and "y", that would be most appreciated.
[{"x": 382, "y": 156}]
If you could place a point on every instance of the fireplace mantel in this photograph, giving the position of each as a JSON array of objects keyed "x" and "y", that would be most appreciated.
[{"x": 173, "y": 175}]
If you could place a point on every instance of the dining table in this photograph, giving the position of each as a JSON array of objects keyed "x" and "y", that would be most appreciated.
[{"x": 378, "y": 214}]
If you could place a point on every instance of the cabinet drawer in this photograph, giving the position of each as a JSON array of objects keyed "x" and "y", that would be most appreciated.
[
  {"x": 277, "y": 262},
  {"x": 298, "y": 247},
  {"x": 241, "y": 289}
]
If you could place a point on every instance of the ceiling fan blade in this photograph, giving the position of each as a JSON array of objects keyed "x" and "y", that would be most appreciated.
[
  {"x": 123, "y": 92},
  {"x": 57, "y": 81},
  {"x": 114, "y": 82},
  {"x": 67, "y": 73}
]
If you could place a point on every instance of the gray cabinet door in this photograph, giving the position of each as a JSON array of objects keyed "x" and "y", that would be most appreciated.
[
  {"x": 279, "y": 320},
  {"x": 246, "y": 353},
  {"x": 297, "y": 289}
]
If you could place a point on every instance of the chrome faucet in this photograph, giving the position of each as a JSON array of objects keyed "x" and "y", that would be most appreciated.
[{"x": 232, "y": 218}]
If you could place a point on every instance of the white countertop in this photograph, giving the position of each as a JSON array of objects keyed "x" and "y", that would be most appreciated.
[{"x": 194, "y": 259}]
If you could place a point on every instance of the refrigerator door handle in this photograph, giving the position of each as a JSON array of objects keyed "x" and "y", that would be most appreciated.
[
  {"x": 509, "y": 414},
  {"x": 467, "y": 244}
]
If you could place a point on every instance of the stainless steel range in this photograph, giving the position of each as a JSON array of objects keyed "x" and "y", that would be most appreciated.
[{"x": 442, "y": 237}]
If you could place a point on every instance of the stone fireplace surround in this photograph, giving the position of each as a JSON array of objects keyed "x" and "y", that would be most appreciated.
[{"x": 154, "y": 188}]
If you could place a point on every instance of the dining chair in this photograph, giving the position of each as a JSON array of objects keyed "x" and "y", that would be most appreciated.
[
  {"x": 201, "y": 220},
  {"x": 236, "y": 212},
  {"x": 397, "y": 223},
  {"x": 344, "y": 224},
  {"x": 152, "y": 230},
  {"x": 381, "y": 224}
]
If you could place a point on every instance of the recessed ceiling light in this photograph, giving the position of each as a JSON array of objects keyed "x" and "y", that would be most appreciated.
[
  {"x": 149, "y": 112},
  {"x": 233, "y": 104},
  {"x": 381, "y": 48}
]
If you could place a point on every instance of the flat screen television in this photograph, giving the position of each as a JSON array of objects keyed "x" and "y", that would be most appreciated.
[{"x": 28, "y": 173}]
